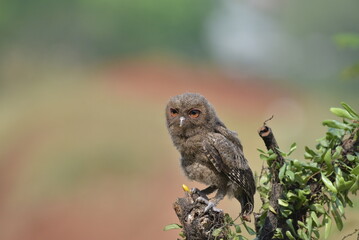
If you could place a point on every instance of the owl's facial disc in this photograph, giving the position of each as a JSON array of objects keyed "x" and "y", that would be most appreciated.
[{"x": 181, "y": 121}]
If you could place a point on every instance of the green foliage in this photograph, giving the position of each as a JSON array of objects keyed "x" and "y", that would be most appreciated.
[
  {"x": 234, "y": 229},
  {"x": 316, "y": 191},
  {"x": 349, "y": 41},
  {"x": 106, "y": 28},
  {"x": 172, "y": 226}
]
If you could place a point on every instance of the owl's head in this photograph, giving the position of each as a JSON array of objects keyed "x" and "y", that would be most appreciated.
[{"x": 188, "y": 114}]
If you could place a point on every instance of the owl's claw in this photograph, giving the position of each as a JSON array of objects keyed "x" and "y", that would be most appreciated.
[
  {"x": 195, "y": 190},
  {"x": 210, "y": 205},
  {"x": 199, "y": 193}
]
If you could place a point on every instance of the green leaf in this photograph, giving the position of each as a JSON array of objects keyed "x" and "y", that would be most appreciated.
[
  {"x": 317, "y": 208},
  {"x": 340, "y": 206},
  {"x": 282, "y": 171},
  {"x": 282, "y": 153},
  {"x": 302, "y": 195},
  {"x": 260, "y": 150},
  {"x": 348, "y": 184},
  {"x": 350, "y": 110},
  {"x": 340, "y": 183},
  {"x": 286, "y": 212},
  {"x": 238, "y": 228},
  {"x": 328, "y": 226},
  {"x": 302, "y": 234},
  {"x": 301, "y": 224},
  {"x": 342, "y": 113},
  {"x": 290, "y": 174},
  {"x": 272, "y": 209},
  {"x": 249, "y": 230},
  {"x": 292, "y": 148},
  {"x": 316, "y": 232},
  {"x": 291, "y": 195},
  {"x": 309, "y": 226},
  {"x": 289, "y": 235},
  {"x": 271, "y": 157},
  {"x": 277, "y": 234},
  {"x": 242, "y": 237},
  {"x": 337, "y": 153},
  {"x": 337, "y": 218},
  {"x": 172, "y": 226},
  {"x": 283, "y": 203},
  {"x": 328, "y": 157},
  {"x": 350, "y": 157},
  {"x": 328, "y": 184},
  {"x": 324, "y": 142},
  {"x": 290, "y": 225},
  {"x": 335, "y": 124},
  {"x": 314, "y": 216},
  {"x": 297, "y": 164},
  {"x": 310, "y": 152},
  {"x": 355, "y": 186},
  {"x": 307, "y": 156},
  {"x": 216, "y": 232},
  {"x": 348, "y": 201}
]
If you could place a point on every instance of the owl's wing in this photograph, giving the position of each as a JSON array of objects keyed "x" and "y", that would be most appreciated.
[
  {"x": 228, "y": 158},
  {"x": 232, "y": 136}
]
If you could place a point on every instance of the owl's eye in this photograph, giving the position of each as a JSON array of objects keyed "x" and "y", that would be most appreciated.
[
  {"x": 173, "y": 112},
  {"x": 194, "y": 113}
]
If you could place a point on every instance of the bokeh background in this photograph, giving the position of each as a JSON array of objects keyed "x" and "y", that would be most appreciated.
[{"x": 85, "y": 152}]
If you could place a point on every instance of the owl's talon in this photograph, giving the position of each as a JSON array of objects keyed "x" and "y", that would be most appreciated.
[
  {"x": 199, "y": 193},
  {"x": 195, "y": 190},
  {"x": 210, "y": 205},
  {"x": 202, "y": 200}
]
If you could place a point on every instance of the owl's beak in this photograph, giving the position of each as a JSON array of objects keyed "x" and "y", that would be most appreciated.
[{"x": 181, "y": 121}]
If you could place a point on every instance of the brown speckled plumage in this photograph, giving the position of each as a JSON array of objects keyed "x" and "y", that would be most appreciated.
[{"x": 210, "y": 153}]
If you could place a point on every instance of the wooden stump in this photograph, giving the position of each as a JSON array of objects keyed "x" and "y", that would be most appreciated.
[{"x": 198, "y": 224}]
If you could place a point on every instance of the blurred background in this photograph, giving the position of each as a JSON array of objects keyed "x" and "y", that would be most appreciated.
[{"x": 85, "y": 152}]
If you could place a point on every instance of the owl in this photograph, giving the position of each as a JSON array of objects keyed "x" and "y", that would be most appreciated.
[{"x": 210, "y": 152}]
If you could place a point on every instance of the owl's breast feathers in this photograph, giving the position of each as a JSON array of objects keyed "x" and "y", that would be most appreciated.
[
  {"x": 195, "y": 163},
  {"x": 213, "y": 159}
]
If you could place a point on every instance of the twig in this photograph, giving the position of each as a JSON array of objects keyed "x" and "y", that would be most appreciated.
[
  {"x": 265, "y": 122},
  {"x": 351, "y": 234}
]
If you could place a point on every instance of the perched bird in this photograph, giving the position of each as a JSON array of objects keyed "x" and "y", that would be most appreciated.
[{"x": 210, "y": 153}]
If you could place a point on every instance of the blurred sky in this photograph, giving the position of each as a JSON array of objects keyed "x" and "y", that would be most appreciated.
[{"x": 83, "y": 85}]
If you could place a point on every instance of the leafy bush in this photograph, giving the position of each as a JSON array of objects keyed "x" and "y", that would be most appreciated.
[{"x": 317, "y": 191}]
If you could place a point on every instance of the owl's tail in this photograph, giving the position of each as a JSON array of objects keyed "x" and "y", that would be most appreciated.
[{"x": 247, "y": 204}]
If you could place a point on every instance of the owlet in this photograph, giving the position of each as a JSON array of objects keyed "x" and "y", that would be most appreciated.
[{"x": 210, "y": 153}]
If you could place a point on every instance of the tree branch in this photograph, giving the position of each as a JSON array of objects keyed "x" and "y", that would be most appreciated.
[{"x": 271, "y": 221}]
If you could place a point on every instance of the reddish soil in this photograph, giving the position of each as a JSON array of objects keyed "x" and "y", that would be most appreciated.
[{"x": 159, "y": 80}]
